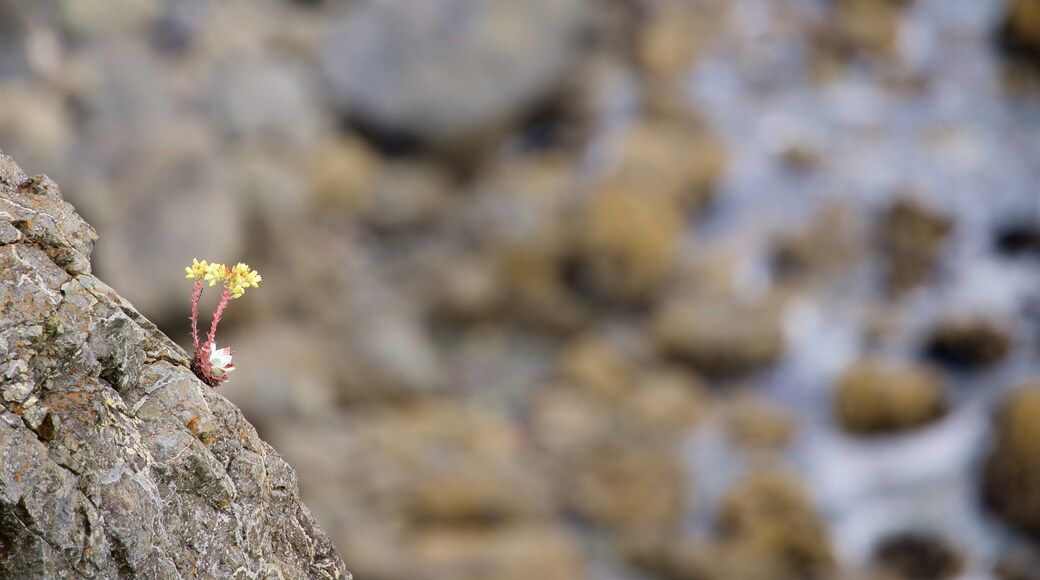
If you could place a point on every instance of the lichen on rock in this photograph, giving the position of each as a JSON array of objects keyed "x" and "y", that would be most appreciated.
[{"x": 115, "y": 461}]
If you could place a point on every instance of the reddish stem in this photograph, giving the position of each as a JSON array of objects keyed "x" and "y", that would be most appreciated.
[
  {"x": 196, "y": 294},
  {"x": 224, "y": 298}
]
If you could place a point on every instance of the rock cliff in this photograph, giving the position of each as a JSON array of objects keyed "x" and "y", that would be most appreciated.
[{"x": 115, "y": 460}]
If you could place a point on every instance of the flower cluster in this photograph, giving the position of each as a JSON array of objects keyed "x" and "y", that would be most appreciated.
[
  {"x": 236, "y": 278},
  {"x": 211, "y": 364}
]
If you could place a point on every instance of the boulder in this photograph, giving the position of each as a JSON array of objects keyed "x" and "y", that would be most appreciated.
[
  {"x": 1011, "y": 472},
  {"x": 769, "y": 515},
  {"x": 875, "y": 397},
  {"x": 115, "y": 460},
  {"x": 446, "y": 70}
]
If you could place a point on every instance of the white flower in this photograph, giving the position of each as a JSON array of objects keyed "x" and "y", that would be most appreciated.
[{"x": 220, "y": 361}]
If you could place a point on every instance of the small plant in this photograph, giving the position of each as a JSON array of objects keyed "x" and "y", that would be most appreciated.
[{"x": 212, "y": 364}]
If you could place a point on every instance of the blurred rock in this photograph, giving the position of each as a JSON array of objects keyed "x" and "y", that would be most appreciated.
[
  {"x": 518, "y": 219},
  {"x": 444, "y": 489},
  {"x": 877, "y": 397},
  {"x": 99, "y": 17},
  {"x": 674, "y": 158},
  {"x": 720, "y": 336},
  {"x": 917, "y": 556},
  {"x": 912, "y": 239},
  {"x": 627, "y": 241},
  {"x": 625, "y": 486},
  {"x": 36, "y": 122},
  {"x": 668, "y": 399},
  {"x": 755, "y": 422},
  {"x": 864, "y": 26},
  {"x": 592, "y": 363},
  {"x": 1020, "y": 237},
  {"x": 516, "y": 552},
  {"x": 1021, "y": 28},
  {"x": 969, "y": 342},
  {"x": 1020, "y": 561},
  {"x": 341, "y": 174},
  {"x": 450, "y": 70},
  {"x": 769, "y": 515},
  {"x": 829, "y": 246},
  {"x": 1011, "y": 473}
]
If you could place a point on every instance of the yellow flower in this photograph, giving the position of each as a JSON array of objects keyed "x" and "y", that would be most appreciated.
[
  {"x": 215, "y": 273},
  {"x": 197, "y": 269},
  {"x": 235, "y": 279},
  {"x": 240, "y": 277}
]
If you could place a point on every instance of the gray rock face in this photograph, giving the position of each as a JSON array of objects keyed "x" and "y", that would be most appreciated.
[{"x": 115, "y": 460}]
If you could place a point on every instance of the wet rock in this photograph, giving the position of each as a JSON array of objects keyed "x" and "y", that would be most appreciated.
[
  {"x": 769, "y": 515},
  {"x": 875, "y": 397},
  {"x": 114, "y": 459},
  {"x": 912, "y": 238},
  {"x": 917, "y": 556},
  {"x": 450, "y": 70},
  {"x": 720, "y": 336},
  {"x": 969, "y": 342},
  {"x": 1011, "y": 473}
]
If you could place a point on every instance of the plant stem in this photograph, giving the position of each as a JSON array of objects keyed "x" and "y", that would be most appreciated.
[
  {"x": 224, "y": 298},
  {"x": 196, "y": 294}
]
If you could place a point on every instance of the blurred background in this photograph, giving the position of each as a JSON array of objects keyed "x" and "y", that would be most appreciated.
[{"x": 607, "y": 289}]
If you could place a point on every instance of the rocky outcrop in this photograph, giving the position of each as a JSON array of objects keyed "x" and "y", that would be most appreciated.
[{"x": 115, "y": 460}]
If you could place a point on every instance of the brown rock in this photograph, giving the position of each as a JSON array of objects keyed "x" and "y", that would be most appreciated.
[
  {"x": 626, "y": 485},
  {"x": 341, "y": 174},
  {"x": 756, "y": 422},
  {"x": 1011, "y": 473},
  {"x": 592, "y": 363},
  {"x": 865, "y": 26},
  {"x": 668, "y": 400},
  {"x": 671, "y": 158},
  {"x": 721, "y": 336},
  {"x": 828, "y": 247},
  {"x": 1021, "y": 29},
  {"x": 879, "y": 397},
  {"x": 912, "y": 238},
  {"x": 517, "y": 552},
  {"x": 769, "y": 513},
  {"x": 627, "y": 240}
]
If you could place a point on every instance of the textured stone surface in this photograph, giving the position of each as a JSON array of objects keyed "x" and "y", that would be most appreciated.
[{"x": 115, "y": 461}]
